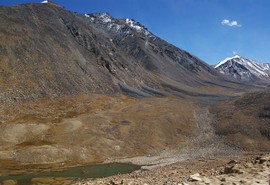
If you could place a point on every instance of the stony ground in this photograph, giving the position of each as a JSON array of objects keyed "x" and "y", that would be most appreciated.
[
  {"x": 238, "y": 170},
  {"x": 92, "y": 129}
]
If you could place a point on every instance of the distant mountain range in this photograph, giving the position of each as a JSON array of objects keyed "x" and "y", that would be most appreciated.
[{"x": 244, "y": 69}]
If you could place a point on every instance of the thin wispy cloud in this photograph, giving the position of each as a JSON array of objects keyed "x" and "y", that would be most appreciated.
[{"x": 227, "y": 22}]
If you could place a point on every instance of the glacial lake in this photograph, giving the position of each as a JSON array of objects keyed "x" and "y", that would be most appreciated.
[{"x": 79, "y": 172}]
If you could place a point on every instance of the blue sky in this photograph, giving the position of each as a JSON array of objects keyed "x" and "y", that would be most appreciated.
[{"x": 210, "y": 29}]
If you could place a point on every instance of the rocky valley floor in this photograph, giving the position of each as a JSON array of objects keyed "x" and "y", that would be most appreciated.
[
  {"x": 245, "y": 169},
  {"x": 174, "y": 139}
]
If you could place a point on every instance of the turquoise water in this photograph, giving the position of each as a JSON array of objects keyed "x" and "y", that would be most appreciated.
[{"x": 81, "y": 172}]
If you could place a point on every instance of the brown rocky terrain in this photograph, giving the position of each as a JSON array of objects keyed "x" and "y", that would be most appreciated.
[
  {"x": 81, "y": 89},
  {"x": 247, "y": 170},
  {"x": 103, "y": 127},
  {"x": 244, "y": 122}
]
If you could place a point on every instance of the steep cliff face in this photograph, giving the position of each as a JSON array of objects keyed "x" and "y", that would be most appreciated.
[{"x": 47, "y": 51}]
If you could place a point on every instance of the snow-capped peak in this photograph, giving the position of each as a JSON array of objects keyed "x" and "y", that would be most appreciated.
[
  {"x": 237, "y": 56},
  {"x": 226, "y": 60},
  {"x": 242, "y": 68},
  {"x": 46, "y": 1}
]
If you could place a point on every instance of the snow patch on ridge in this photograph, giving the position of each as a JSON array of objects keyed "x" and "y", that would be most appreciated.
[
  {"x": 124, "y": 26},
  {"x": 105, "y": 18},
  {"x": 134, "y": 25}
]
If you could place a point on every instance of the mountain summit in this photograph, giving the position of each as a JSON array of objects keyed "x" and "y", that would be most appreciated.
[{"x": 244, "y": 69}]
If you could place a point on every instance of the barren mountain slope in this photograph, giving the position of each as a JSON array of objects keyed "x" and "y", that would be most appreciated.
[
  {"x": 47, "y": 51},
  {"x": 244, "y": 122}
]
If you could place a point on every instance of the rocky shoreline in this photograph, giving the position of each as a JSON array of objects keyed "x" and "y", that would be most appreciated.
[{"x": 247, "y": 169}]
